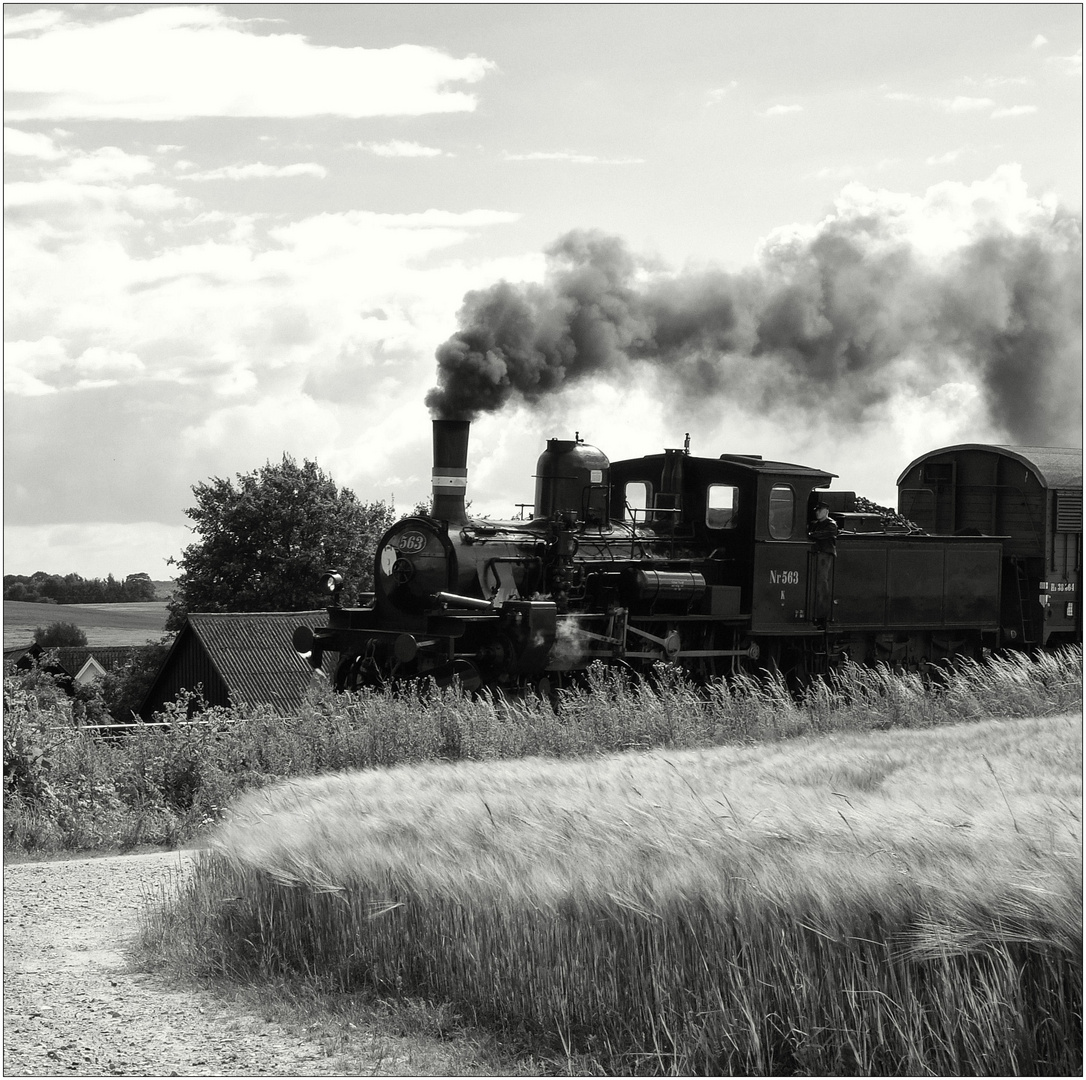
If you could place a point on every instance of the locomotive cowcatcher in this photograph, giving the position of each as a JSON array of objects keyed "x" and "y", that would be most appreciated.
[{"x": 703, "y": 562}]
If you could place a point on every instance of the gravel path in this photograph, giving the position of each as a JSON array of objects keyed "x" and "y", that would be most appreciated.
[{"x": 74, "y": 1005}]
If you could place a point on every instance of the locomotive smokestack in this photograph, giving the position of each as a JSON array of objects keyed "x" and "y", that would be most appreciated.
[{"x": 450, "y": 475}]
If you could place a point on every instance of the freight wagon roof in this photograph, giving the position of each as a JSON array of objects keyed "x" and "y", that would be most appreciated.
[{"x": 1055, "y": 466}]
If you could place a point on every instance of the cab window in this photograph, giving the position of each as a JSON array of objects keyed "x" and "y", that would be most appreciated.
[
  {"x": 638, "y": 495},
  {"x": 721, "y": 505},
  {"x": 782, "y": 512}
]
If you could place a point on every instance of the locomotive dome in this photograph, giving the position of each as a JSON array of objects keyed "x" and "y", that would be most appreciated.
[{"x": 572, "y": 477}]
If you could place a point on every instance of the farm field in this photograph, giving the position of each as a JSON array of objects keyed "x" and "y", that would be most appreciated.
[
  {"x": 104, "y": 624},
  {"x": 874, "y": 903}
]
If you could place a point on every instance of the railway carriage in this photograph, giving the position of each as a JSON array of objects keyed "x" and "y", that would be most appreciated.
[{"x": 1031, "y": 496}]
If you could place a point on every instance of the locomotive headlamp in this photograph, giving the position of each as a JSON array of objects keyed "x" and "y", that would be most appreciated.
[{"x": 331, "y": 582}]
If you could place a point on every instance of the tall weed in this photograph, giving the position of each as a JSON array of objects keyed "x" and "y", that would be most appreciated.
[{"x": 166, "y": 784}]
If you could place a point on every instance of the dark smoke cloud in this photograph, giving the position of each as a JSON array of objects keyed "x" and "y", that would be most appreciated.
[{"x": 843, "y": 318}]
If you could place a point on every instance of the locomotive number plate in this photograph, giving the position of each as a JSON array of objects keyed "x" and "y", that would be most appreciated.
[
  {"x": 410, "y": 542},
  {"x": 784, "y": 577}
]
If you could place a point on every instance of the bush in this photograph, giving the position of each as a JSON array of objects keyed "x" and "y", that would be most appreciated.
[
  {"x": 122, "y": 691},
  {"x": 59, "y": 635}
]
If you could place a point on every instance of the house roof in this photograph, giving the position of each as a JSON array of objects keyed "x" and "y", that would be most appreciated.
[
  {"x": 89, "y": 671},
  {"x": 72, "y": 658},
  {"x": 253, "y": 654}
]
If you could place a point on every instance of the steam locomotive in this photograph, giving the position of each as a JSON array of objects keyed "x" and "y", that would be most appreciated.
[{"x": 706, "y": 563}]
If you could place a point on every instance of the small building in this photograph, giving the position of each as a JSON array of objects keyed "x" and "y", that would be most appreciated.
[
  {"x": 76, "y": 665},
  {"x": 238, "y": 657}
]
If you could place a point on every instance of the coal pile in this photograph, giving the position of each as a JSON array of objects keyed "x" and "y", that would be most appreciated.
[{"x": 891, "y": 519}]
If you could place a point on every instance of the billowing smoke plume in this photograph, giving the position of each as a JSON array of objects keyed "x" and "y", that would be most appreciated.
[{"x": 888, "y": 293}]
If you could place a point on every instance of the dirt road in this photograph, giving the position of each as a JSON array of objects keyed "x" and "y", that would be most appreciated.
[{"x": 74, "y": 1005}]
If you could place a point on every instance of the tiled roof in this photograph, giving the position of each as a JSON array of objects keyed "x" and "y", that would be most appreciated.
[
  {"x": 252, "y": 651},
  {"x": 73, "y": 657}
]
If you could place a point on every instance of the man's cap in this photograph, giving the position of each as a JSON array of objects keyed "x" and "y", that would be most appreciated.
[{"x": 822, "y": 506}]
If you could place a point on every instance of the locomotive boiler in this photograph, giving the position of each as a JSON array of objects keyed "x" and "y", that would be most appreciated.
[{"x": 700, "y": 561}]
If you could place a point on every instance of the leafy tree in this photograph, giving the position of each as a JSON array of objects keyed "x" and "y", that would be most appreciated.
[
  {"x": 59, "y": 634},
  {"x": 122, "y": 690},
  {"x": 73, "y": 589},
  {"x": 139, "y": 587},
  {"x": 264, "y": 542}
]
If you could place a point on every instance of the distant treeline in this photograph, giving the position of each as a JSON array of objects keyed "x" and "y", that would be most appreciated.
[{"x": 43, "y": 588}]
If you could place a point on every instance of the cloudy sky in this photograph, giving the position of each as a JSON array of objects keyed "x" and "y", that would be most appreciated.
[{"x": 834, "y": 234}]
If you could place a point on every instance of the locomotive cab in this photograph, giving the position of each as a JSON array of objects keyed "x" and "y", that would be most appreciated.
[{"x": 745, "y": 517}]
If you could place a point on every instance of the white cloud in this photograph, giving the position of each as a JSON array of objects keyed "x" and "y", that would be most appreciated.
[
  {"x": 20, "y": 383},
  {"x": 1014, "y": 110},
  {"x": 1039, "y": 42},
  {"x": 95, "y": 384},
  {"x": 247, "y": 337},
  {"x": 32, "y": 368},
  {"x": 835, "y": 172},
  {"x": 943, "y": 159},
  {"x": 32, "y": 22},
  {"x": 100, "y": 359},
  {"x": 106, "y": 164},
  {"x": 30, "y": 144},
  {"x": 570, "y": 156},
  {"x": 991, "y": 81},
  {"x": 783, "y": 110},
  {"x": 96, "y": 548},
  {"x": 400, "y": 148},
  {"x": 61, "y": 192},
  {"x": 1072, "y": 65},
  {"x": 963, "y": 104},
  {"x": 168, "y": 63},
  {"x": 26, "y": 362},
  {"x": 719, "y": 93},
  {"x": 79, "y": 186},
  {"x": 259, "y": 171},
  {"x": 944, "y": 219}
]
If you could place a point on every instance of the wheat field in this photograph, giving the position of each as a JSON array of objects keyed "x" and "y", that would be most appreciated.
[{"x": 893, "y": 902}]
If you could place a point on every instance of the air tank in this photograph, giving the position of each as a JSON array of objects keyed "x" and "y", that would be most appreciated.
[{"x": 572, "y": 477}]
